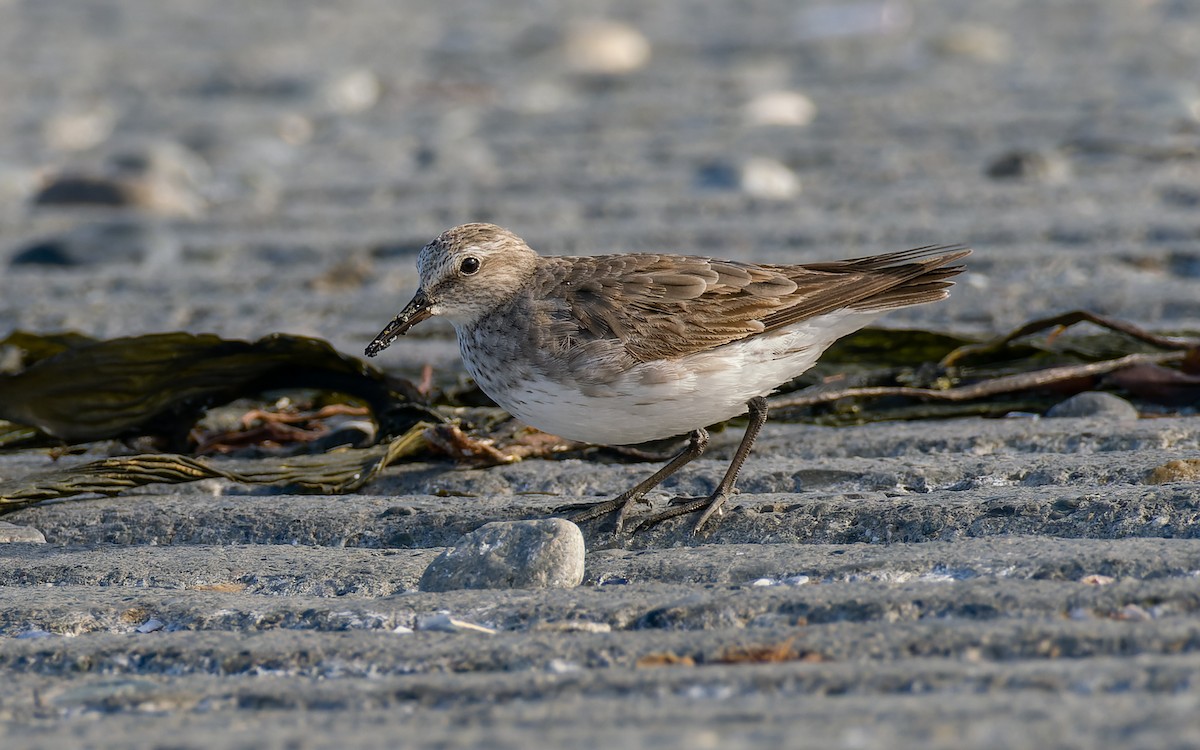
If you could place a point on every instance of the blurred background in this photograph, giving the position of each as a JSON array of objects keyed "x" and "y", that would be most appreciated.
[{"x": 275, "y": 166}]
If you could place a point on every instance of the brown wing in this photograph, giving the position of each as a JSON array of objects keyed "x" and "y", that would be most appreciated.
[{"x": 620, "y": 310}]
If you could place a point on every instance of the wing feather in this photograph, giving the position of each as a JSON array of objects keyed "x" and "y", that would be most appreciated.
[{"x": 622, "y": 310}]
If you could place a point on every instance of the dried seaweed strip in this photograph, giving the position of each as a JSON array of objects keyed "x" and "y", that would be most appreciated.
[
  {"x": 1062, "y": 321},
  {"x": 334, "y": 473},
  {"x": 108, "y": 476},
  {"x": 338, "y": 472},
  {"x": 986, "y": 389}
]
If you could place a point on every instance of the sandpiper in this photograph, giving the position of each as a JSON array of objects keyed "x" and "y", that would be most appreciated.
[{"x": 624, "y": 349}]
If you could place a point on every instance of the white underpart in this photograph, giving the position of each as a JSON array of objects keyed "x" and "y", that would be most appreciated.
[{"x": 664, "y": 398}]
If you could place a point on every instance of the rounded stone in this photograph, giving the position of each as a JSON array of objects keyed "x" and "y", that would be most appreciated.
[
  {"x": 606, "y": 48},
  {"x": 769, "y": 179},
  {"x": 546, "y": 553},
  {"x": 780, "y": 109},
  {"x": 1030, "y": 166},
  {"x": 353, "y": 91},
  {"x": 11, "y": 533},
  {"x": 1095, "y": 405}
]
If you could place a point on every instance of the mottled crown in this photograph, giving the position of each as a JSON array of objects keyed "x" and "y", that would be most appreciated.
[
  {"x": 486, "y": 239},
  {"x": 505, "y": 264}
]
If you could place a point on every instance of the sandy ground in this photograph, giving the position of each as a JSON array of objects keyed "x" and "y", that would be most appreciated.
[{"x": 1005, "y": 583}]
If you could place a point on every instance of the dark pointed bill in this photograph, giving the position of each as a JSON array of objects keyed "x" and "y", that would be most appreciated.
[{"x": 414, "y": 312}]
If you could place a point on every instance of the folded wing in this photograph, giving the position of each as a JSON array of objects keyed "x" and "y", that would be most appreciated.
[{"x": 621, "y": 310}]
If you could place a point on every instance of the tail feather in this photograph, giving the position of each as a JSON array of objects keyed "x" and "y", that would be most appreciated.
[
  {"x": 928, "y": 280},
  {"x": 929, "y": 256}
]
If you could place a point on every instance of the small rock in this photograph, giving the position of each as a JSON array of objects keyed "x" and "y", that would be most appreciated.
[
  {"x": 1033, "y": 166},
  {"x": 1097, "y": 579},
  {"x": 151, "y": 195},
  {"x": 123, "y": 241},
  {"x": 769, "y": 179},
  {"x": 1181, "y": 470},
  {"x": 151, "y": 625},
  {"x": 605, "y": 48},
  {"x": 11, "y": 533},
  {"x": 85, "y": 190},
  {"x": 562, "y": 666},
  {"x": 781, "y": 109},
  {"x": 718, "y": 175},
  {"x": 444, "y": 623},
  {"x": 1095, "y": 405},
  {"x": 538, "y": 554},
  {"x": 160, "y": 179},
  {"x": 353, "y": 91},
  {"x": 1133, "y": 613},
  {"x": 165, "y": 159}
]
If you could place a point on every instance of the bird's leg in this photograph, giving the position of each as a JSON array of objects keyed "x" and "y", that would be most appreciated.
[
  {"x": 697, "y": 442},
  {"x": 712, "y": 504}
]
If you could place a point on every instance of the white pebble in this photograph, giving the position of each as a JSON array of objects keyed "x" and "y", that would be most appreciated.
[
  {"x": 354, "y": 91},
  {"x": 606, "y": 48},
  {"x": 444, "y": 623},
  {"x": 780, "y": 108},
  {"x": 562, "y": 666},
  {"x": 769, "y": 179}
]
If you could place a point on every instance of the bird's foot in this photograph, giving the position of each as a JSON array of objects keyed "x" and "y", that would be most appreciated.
[
  {"x": 682, "y": 506},
  {"x": 581, "y": 512}
]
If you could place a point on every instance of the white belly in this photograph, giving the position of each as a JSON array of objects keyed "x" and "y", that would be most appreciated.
[{"x": 665, "y": 398}]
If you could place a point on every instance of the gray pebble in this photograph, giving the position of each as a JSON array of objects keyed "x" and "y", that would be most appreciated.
[
  {"x": 162, "y": 179},
  {"x": 1095, "y": 405},
  {"x": 10, "y": 532},
  {"x": 546, "y": 553},
  {"x": 1031, "y": 166}
]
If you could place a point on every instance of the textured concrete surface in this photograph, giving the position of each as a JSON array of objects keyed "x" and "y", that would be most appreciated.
[{"x": 1004, "y": 583}]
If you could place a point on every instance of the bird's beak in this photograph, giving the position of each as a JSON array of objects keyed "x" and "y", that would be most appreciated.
[{"x": 414, "y": 312}]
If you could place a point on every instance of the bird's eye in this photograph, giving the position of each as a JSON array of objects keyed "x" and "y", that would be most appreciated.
[{"x": 469, "y": 265}]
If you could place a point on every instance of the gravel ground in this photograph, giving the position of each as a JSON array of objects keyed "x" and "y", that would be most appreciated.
[{"x": 244, "y": 171}]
